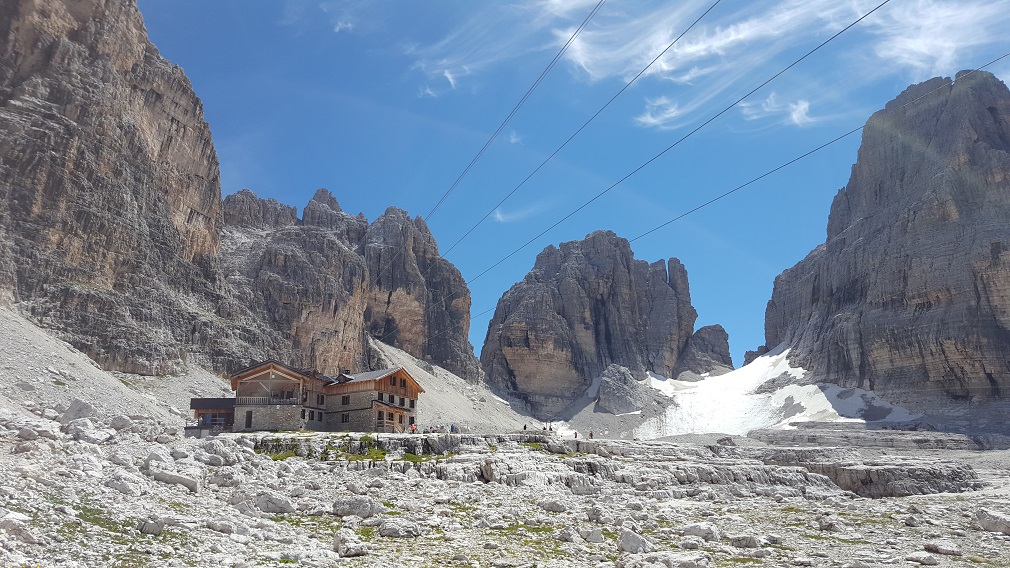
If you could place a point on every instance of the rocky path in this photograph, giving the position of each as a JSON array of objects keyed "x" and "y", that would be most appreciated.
[{"x": 79, "y": 490}]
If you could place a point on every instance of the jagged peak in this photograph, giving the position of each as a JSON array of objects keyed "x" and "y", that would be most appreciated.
[
  {"x": 244, "y": 208},
  {"x": 324, "y": 197}
]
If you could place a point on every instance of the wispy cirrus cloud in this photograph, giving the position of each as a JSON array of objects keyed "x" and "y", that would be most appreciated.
[
  {"x": 795, "y": 112},
  {"x": 501, "y": 216},
  {"x": 659, "y": 112},
  {"x": 935, "y": 36},
  {"x": 737, "y": 44}
]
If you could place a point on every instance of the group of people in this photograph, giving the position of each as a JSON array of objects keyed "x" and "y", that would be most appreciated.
[
  {"x": 548, "y": 427},
  {"x": 434, "y": 429}
]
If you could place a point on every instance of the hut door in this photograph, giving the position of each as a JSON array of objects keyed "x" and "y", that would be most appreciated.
[{"x": 248, "y": 419}]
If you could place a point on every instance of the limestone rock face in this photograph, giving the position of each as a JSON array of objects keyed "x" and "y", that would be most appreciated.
[
  {"x": 244, "y": 209},
  {"x": 620, "y": 392},
  {"x": 584, "y": 306},
  {"x": 910, "y": 294},
  {"x": 110, "y": 207},
  {"x": 707, "y": 352},
  {"x": 112, "y": 222},
  {"x": 323, "y": 282}
]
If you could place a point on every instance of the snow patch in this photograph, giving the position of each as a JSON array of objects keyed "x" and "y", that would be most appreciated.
[{"x": 728, "y": 404}]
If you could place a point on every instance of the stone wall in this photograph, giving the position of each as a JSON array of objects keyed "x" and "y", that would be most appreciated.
[
  {"x": 360, "y": 408},
  {"x": 270, "y": 417}
]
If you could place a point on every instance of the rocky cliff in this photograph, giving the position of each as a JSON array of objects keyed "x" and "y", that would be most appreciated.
[
  {"x": 328, "y": 279},
  {"x": 910, "y": 293},
  {"x": 109, "y": 191},
  {"x": 111, "y": 221},
  {"x": 585, "y": 305}
]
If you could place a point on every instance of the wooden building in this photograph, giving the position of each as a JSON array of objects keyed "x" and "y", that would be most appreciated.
[
  {"x": 212, "y": 415},
  {"x": 273, "y": 396}
]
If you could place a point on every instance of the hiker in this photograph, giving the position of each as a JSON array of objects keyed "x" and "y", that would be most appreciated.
[
  {"x": 576, "y": 435},
  {"x": 413, "y": 428},
  {"x": 524, "y": 427},
  {"x": 545, "y": 428},
  {"x": 452, "y": 428},
  {"x": 590, "y": 434}
]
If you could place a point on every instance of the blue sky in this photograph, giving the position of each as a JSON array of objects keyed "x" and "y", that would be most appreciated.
[{"x": 385, "y": 103}]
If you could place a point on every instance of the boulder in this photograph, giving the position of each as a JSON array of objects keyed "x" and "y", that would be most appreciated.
[
  {"x": 633, "y": 543},
  {"x": 347, "y": 544},
  {"x": 357, "y": 505},
  {"x": 620, "y": 392}
]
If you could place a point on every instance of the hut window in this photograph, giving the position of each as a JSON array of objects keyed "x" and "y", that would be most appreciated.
[
  {"x": 345, "y": 400},
  {"x": 403, "y": 383},
  {"x": 392, "y": 381},
  {"x": 378, "y": 415},
  {"x": 312, "y": 415},
  {"x": 320, "y": 398},
  {"x": 389, "y": 416},
  {"x": 303, "y": 414},
  {"x": 345, "y": 418},
  {"x": 401, "y": 418},
  {"x": 403, "y": 401},
  {"x": 412, "y": 403}
]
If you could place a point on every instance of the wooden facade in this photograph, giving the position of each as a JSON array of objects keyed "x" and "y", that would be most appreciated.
[{"x": 274, "y": 396}]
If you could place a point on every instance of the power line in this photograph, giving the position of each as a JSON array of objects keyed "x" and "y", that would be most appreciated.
[
  {"x": 570, "y": 138},
  {"x": 515, "y": 109},
  {"x": 808, "y": 153},
  {"x": 675, "y": 144},
  {"x": 760, "y": 177},
  {"x": 581, "y": 128},
  {"x": 576, "y": 133},
  {"x": 657, "y": 156}
]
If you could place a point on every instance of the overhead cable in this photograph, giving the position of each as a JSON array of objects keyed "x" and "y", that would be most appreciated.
[
  {"x": 581, "y": 128},
  {"x": 677, "y": 143}
]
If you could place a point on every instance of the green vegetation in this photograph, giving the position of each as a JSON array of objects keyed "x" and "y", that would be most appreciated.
[{"x": 533, "y": 445}]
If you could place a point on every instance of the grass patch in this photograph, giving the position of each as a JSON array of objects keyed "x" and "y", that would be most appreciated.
[
  {"x": 533, "y": 445},
  {"x": 374, "y": 454},
  {"x": 283, "y": 455}
]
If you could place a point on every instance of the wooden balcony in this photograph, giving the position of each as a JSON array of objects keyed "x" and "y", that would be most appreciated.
[{"x": 266, "y": 401}]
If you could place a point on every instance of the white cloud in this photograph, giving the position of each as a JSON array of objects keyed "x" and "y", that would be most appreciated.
[
  {"x": 515, "y": 138},
  {"x": 799, "y": 112},
  {"x": 934, "y": 36},
  {"x": 659, "y": 113},
  {"x": 342, "y": 25},
  {"x": 449, "y": 77},
  {"x": 518, "y": 215},
  {"x": 734, "y": 48},
  {"x": 796, "y": 112}
]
